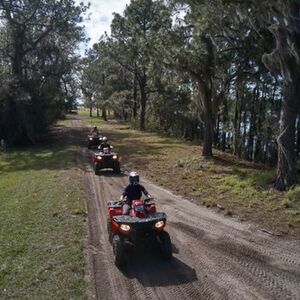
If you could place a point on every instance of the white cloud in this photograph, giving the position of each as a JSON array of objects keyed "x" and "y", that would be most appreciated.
[{"x": 101, "y": 15}]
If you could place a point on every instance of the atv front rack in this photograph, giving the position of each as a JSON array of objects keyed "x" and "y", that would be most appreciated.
[
  {"x": 151, "y": 218},
  {"x": 115, "y": 204},
  {"x": 118, "y": 204}
]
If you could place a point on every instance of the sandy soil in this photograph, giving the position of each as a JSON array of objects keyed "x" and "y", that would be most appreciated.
[{"x": 215, "y": 257}]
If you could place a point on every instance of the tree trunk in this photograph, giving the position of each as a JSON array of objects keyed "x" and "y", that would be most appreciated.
[
  {"x": 286, "y": 166},
  {"x": 103, "y": 111},
  {"x": 217, "y": 132},
  {"x": 143, "y": 103},
  {"x": 298, "y": 136},
  {"x": 134, "y": 107},
  {"x": 224, "y": 121},
  {"x": 252, "y": 126},
  {"x": 258, "y": 152},
  {"x": 18, "y": 52},
  {"x": 97, "y": 110},
  {"x": 91, "y": 107},
  {"x": 208, "y": 120},
  {"x": 236, "y": 125}
]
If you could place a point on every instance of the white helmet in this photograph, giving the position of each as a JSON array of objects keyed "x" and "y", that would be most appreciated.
[{"x": 134, "y": 178}]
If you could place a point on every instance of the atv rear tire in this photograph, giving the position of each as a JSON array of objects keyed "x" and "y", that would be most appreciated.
[
  {"x": 118, "y": 248},
  {"x": 109, "y": 231},
  {"x": 165, "y": 245}
]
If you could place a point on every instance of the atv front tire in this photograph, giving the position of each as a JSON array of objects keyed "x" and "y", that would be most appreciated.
[
  {"x": 165, "y": 245},
  {"x": 118, "y": 248}
]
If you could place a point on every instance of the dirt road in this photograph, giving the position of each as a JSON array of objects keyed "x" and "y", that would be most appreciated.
[{"x": 215, "y": 257}]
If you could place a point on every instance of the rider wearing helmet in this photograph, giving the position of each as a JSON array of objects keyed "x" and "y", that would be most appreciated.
[
  {"x": 95, "y": 131},
  {"x": 104, "y": 144},
  {"x": 132, "y": 191}
]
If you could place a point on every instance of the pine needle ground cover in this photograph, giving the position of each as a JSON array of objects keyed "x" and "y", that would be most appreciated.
[{"x": 42, "y": 224}]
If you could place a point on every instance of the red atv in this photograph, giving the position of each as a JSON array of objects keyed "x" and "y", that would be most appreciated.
[
  {"x": 106, "y": 159},
  {"x": 94, "y": 140},
  {"x": 143, "y": 224}
]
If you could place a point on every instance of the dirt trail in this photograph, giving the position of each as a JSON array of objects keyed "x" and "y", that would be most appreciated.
[{"x": 214, "y": 257}]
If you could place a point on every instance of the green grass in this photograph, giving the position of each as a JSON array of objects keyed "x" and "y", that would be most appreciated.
[
  {"x": 41, "y": 224},
  {"x": 90, "y": 121}
]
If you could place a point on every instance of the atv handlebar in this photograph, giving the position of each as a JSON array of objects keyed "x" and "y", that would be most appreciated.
[{"x": 149, "y": 200}]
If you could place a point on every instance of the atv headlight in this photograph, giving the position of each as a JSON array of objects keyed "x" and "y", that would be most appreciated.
[
  {"x": 99, "y": 157},
  {"x": 125, "y": 227},
  {"x": 159, "y": 224},
  {"x": 90, "y": 139},
  {"x": 115, "y": 156}
]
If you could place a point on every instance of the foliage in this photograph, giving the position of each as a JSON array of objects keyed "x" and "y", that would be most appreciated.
[{"x": 39, "y": 39}]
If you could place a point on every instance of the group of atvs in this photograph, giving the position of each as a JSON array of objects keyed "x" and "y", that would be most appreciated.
[
  {"x": 104, "y": 157},
  {"x": 143, "y": 225}
]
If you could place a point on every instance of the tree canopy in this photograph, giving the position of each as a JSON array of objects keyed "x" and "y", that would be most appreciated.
[
  {"x": 38, "y": 58},
  {"x": 224, "y": 73}
]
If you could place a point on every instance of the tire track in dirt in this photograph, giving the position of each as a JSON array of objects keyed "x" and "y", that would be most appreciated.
[{"x": 246, "y": 264}]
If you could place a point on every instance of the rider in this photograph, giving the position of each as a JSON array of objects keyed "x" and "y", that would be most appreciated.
[
  {"x": 104, "y": 144},
  {"x": 132, "y": 191},
  {"x": 95, "y": 131}
]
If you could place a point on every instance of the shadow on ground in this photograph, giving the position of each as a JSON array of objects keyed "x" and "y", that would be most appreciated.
[
  {"x": 151, "y": 270},
  {"x": 58, "y": 150}
]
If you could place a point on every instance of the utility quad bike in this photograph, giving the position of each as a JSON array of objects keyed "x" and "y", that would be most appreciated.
[
  {"x": 106, "y": 158},
  {"x": 142, "y": 225},
  {"x": 94, "y": 140}
]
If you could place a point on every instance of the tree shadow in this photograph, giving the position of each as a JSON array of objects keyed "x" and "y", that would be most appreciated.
[{"x": 57, "y": 150}]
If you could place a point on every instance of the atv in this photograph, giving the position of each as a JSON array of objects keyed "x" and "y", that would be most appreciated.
[
  {"x": 142, "y": 225},
  {"x": 106, "y": 158},
  {"x": 94, "y": 140}
]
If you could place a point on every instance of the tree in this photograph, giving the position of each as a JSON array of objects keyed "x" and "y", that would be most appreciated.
[
  {"x": 41, "y": 36},
  {"x": 283, "y": 22},
  {"x": 132, "y": 38}
]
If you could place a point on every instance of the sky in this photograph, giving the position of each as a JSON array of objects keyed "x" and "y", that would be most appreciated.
[{"x": 100, "y": 16}]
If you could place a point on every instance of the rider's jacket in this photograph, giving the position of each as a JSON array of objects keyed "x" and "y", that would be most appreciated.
[
  {"x": 104, "y": 145},
  {"x": 134, "y": 192}
]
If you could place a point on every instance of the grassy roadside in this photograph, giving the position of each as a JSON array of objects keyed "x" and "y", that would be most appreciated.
[
  {"x": 42, "y": 223},
  {"x": 230, "y": 186}
]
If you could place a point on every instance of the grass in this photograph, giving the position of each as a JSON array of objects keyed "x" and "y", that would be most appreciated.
[
  {"x": 41, "y": 224},
  {"x": 240, "y": 188}
]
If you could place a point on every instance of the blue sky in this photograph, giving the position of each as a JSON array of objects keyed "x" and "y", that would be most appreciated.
[{"x": 100, "y": 16}]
